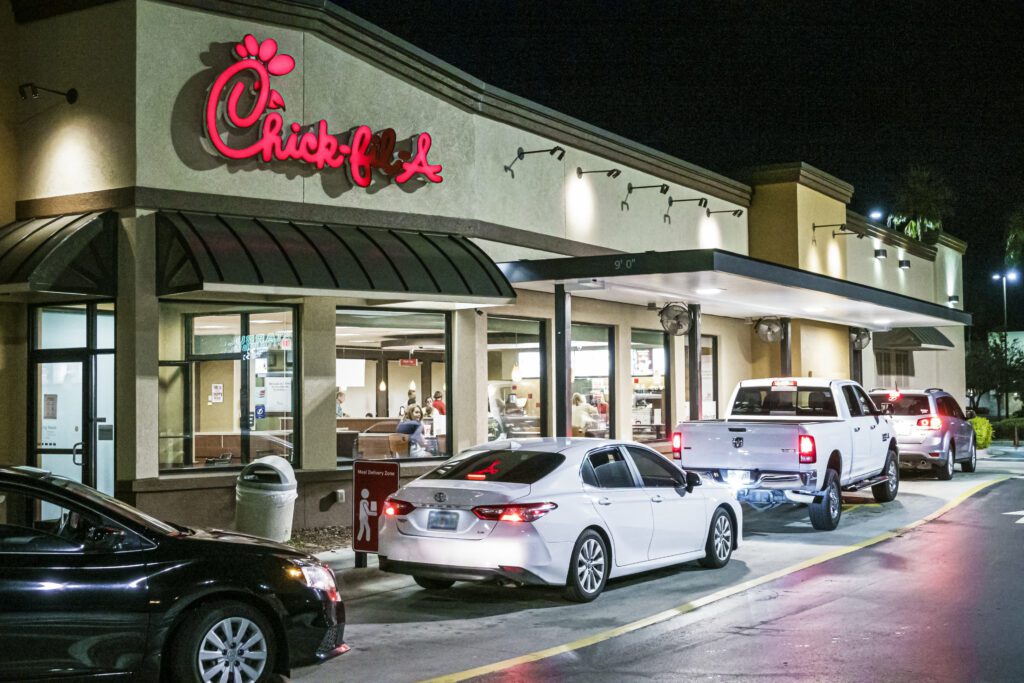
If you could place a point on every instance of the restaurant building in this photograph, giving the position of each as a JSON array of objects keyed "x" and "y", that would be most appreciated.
[{"x": 268, "y": 227}]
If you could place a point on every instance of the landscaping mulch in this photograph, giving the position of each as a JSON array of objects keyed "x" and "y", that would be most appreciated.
[{"x": 321, "y": 539}]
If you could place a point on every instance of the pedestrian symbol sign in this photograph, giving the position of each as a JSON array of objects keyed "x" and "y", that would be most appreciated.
[{"x": 372, "y": 483}]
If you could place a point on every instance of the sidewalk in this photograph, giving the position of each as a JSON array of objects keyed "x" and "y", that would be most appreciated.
[{"x": 1003, "y": 450}]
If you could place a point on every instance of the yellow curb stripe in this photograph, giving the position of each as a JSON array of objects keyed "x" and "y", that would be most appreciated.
[{"x": 707, "y": 599}]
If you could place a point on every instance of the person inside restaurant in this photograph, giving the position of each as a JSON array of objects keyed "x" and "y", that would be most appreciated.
[
  {"x": 438, "y": 404},
  {"x": 584, "y": 415},
  {"x": 413, "y": 426}
]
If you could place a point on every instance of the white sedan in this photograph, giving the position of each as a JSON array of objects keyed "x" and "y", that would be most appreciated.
[{"x": 562, "y": 512}]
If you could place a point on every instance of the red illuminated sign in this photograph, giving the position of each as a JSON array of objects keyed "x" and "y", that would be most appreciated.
[
  {"x": 372, "y": 483},
  {"x": 311, "y": 144}
]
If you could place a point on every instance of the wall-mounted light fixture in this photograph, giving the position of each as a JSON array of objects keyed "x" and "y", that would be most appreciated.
[
  {"x": 26, "y": 90},
  {"x": 735, "y": 212},
  {"x": 815, "y": 227},
  {"x": 521, "y": 153},
  {"x": 952, "y": 300},
  {"x": 610, "y": 172},
  {"x": 701, "y": 202},
  {"x": 881, "y": 254},
  {"x": 904, "y": 264},
  {"x": 631, "y": 188}
]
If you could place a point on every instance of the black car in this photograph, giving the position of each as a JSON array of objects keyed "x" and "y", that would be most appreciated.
[{"x": 91, "y": 586}]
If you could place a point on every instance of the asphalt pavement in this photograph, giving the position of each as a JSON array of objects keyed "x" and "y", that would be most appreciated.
[{"x": 401, "y": 633}]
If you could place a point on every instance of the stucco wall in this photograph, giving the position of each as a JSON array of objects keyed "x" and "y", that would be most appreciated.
[
  {"x": 821, "y": 252},
  {"x": 8, "y": 115}
]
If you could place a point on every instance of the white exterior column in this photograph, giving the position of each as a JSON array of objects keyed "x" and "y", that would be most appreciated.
[
  {"x": 467, "y": 397},
  {"x": 623, "y": 416},
  {"x": 677, "y": 368},
  {"x": 319, "y": 385}
]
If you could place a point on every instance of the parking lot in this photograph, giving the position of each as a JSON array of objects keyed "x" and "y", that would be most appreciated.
[{"x": 401, "y": 633}]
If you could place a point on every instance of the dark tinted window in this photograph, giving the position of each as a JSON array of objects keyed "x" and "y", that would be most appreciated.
[
  {"x": 867, "y": 407},
  {"x": 611, "y": 469},
  {"x": 656, "y": 471},
  {"x": 785, "y": 401},
  {"x": 955, "y": 408},
  {"x": 513, "y": 467},
  {"x": 904, "y": 404}
]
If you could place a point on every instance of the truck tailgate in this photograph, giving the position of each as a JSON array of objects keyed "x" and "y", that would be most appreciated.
[{"x": 765, "y": 446}]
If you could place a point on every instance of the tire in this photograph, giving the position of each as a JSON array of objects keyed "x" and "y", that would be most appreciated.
[
  {"x": 971, "y": 464},
  {"x": 718, "y": 549},
  {"x": 945, "y": 472},
  {"x": 825, "y": 513},
  {"x": 588, "y": 568},
  {"x": 433, "y": 584},
  {"x": 234, "y": 625},
  {"x": 887, "y": 490}
]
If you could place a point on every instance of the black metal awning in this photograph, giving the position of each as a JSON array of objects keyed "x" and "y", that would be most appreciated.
[
  {"x": 210, "y": 252},
  {"x": 69, "y": 254},
  {"x": 912, "y": 339}
]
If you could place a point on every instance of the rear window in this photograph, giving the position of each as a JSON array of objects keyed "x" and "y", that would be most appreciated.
[
  {"x": 903, "y": 404},
  {"x": 809, "y": 402},
  {"x": 512, "y": 467}
]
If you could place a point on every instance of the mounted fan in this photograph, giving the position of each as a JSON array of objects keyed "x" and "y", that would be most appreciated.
[
  {"x": 860, "y": 337},
  {"x": 675, "y": 319},
  {"x": 769, "y": 329}
]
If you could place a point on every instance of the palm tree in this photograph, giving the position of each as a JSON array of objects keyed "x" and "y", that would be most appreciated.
[
  {"x": 923, "y": 200},
  {"x": 1015, "y": 238}
]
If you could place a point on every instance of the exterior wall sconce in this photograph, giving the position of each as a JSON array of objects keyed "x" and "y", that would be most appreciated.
[
  {"x": 815, "y": 227},
  {"x": 520, "y": 153},
  {"x": 881, "y": 254},
  {"x": 735, "y": 212},
  {"x": 611, "y": 172},
  {"x": 630, "y": 188},
  {"x": 26, "y": 90},
  {"x": 904, "y": 264},
  {"x": 701, "y": 202},
  {"x": 952, "y": 300}
]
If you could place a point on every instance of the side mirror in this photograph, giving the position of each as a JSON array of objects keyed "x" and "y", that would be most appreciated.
[
  {"x": 692, "y": 479},
  {"x": 971, "y": 414}
]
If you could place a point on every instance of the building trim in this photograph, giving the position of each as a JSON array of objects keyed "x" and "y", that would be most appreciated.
[
  {"x": 157, "y": 199},
  {"x": 950, "y": 242},
  {"x": 862, "y": 226},
  {"x": 803, "y": 174}
]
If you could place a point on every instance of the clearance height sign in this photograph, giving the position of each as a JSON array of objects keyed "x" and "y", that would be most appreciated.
[{"x": 372, "y": 483}]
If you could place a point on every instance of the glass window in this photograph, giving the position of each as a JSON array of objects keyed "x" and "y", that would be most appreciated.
[
  {"x": 611, "y": 470},
  {"x": 903, "y": 404},
  {"x": 227, "y": 394},
  {"x": 105, "y": 326},
  {"x": 510, "y": 467},
  {"x": 649, "y": 368},
  {"x": 592, "y": 397},
  {"x": 62, "y": 326},
  {"x": 866, "y": 406},
  {"x": 392, "y": 384},
  {"x": 514, "y": 381},
  {"x": 655, "y": 471},
  {"x": 708, "y": 380},
  {"x": 766, "y": 401},
  {"x": 852, "y": 403}
]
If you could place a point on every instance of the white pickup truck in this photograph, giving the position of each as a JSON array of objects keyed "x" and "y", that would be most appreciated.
[{"x": 798, "y": 440}]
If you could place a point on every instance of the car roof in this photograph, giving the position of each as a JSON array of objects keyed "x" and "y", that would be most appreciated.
[
  {"x": 551, "y": 444},
  {"x": 816, "y": 382},
  {"x": 911, "y": 392},
  {"x": 24, "y": 473}
]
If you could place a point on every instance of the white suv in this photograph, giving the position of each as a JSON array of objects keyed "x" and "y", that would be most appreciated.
[{"x": 932, "y": 431}]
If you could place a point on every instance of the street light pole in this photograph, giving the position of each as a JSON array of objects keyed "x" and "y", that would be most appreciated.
[{"x": 1012, "y": 277}]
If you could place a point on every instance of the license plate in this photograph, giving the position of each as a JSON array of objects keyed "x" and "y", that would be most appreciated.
[
  {"x": 737, "y": 476},
  {"x": 440, "y": 520}
]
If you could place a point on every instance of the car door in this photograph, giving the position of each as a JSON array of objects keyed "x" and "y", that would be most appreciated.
[
  {"x": 69, "y": 602},
  {"x": 623, "y": 505},
  {"x": 960, "y": 428},
  {"x": 879, "y": 428},
  {"x": 860, "y": 456},
  {"x": 679, "y": 517}
]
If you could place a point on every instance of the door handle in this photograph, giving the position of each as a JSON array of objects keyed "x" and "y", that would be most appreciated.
[
  {"x": 873, "y": 426},
  {"x": 604, "y": 501},
  {"x": 76, "y": 453},
  {"x": 856, "y": 429},
  {"x": 657, "y": 499}
]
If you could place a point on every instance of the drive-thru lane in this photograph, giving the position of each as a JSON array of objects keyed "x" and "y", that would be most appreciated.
[
  {"x": 401, "y": 633},
  {"x": 938, "y": 603}
]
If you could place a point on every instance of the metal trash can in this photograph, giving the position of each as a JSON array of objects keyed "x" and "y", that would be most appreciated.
[{"x": 265, "y": 498}]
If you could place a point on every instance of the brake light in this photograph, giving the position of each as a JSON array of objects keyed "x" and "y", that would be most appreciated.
[
  {"x": 677, "y": 445},
  {"x": 394, "y": 507},
  {"x": 808, "y": 451},
  {"x": 784, "y": 383},
  {"x": 930, "y": 422},
  {"x": 894, "y": 396},
  {"x": 525, "y": 512}
]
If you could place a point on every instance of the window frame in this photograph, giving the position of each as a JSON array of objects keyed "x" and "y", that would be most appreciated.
[
  {"x": 677, "y": 475},
  {"x": 666, "y": 398},
  {"x": 634, "y": 476},
  {"x": 543, "y": 324}
]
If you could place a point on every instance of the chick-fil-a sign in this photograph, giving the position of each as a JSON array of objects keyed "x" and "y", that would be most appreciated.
[{"x": 364, "y": 152}]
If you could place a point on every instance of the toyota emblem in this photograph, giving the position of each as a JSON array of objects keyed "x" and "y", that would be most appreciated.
[
  {"x": 440, "y": 497},
  {"x": 737, "y": 442}
]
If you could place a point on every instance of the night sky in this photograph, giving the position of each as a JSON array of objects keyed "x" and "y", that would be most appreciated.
[{"x": 859, "y": 92}]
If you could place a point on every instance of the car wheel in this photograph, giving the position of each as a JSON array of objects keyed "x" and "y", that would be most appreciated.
[
  {"x": 971, "y": 464},
  {"x": 588, "y": 568},
  {"x": 433, "y": 584},
  {"x": 887, "y": 490},
  {"x": 718, "y": 549},
  {"x": 946, "y": 471},
  {"x": 825, "y": 513},
  {"x": 229, "y": 641}
]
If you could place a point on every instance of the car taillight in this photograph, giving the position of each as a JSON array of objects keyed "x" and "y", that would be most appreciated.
[
  {"x": 525, "y": 512},
  {"x": 677, "y": 445},
  {"x": 930, "y": 422},
  {"x": 394, "y": 507},
  {"x": 808, "y": 451}
]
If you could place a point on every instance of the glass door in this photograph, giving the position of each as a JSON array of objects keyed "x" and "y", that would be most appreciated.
[{"x": 60, "y": 418}]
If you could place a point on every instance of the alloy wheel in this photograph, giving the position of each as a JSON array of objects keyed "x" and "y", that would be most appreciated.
[
  {"x": 590, "y": 565},
  {"x": 950, "y": 463},
  {"x": 234, "y": 649},
  {"x": 893, "y": 476},
  {"x": 723, "y": 537},
  {"x": 833, "y": 501}
]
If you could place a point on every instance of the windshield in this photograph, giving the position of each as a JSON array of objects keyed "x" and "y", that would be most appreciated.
[
  {"x": 765, "y": 401},
  {"x": 512, "y": 467},
  {"x": 112, "y": 504},
  {"x": 903, "y": 404}
]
